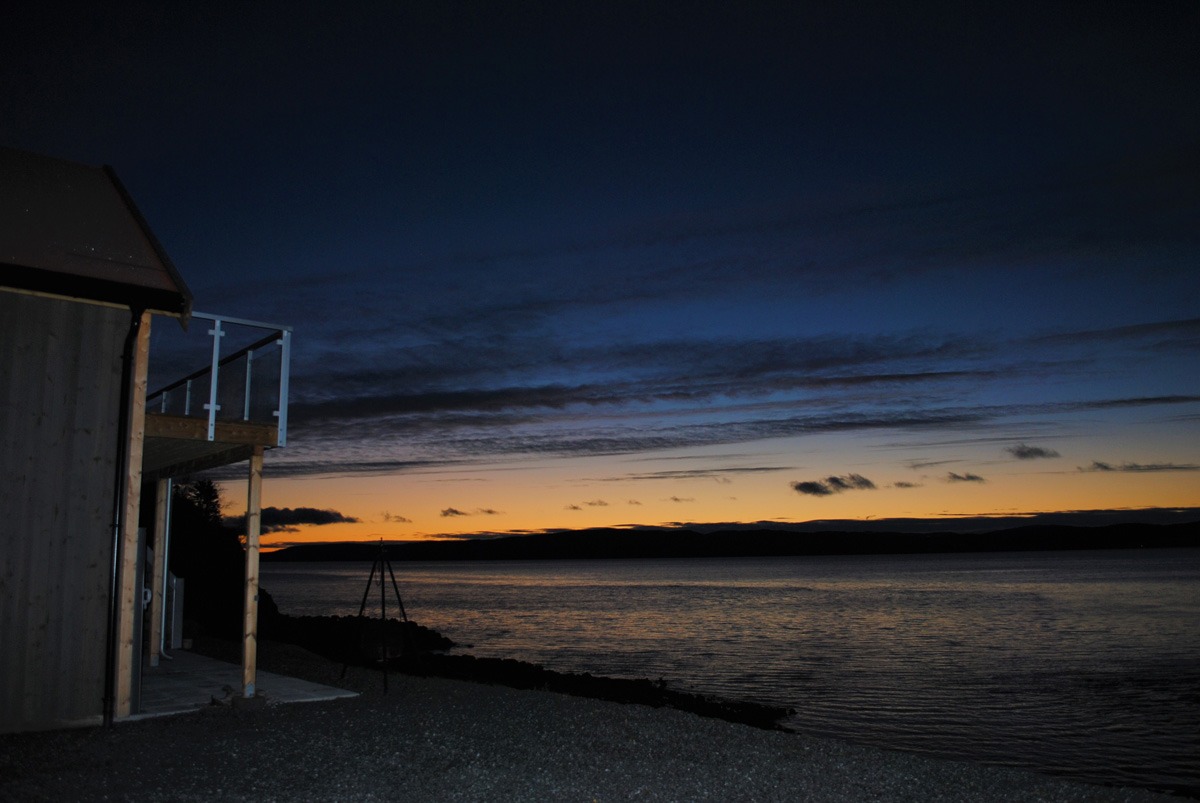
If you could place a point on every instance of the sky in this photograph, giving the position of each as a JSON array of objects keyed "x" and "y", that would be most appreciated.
[{"x": 561, "y": 265}]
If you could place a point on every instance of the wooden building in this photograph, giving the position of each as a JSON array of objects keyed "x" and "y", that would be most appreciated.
[{"x": 82, "y": 279}]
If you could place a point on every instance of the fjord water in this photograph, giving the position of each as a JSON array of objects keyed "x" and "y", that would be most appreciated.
[{"x": 1083, "y": 664}]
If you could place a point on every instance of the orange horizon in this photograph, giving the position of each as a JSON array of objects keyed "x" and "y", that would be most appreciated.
[{"x": 621, "y": 491}]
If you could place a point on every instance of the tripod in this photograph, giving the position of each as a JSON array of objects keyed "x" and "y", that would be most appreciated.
[{"x": 381, "y": 563}]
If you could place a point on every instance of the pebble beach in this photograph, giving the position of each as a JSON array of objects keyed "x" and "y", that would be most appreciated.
[{"x": 439, "y": 739}]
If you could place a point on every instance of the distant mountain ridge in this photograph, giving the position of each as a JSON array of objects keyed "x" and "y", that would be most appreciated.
[{"x": 752, "y": 542}]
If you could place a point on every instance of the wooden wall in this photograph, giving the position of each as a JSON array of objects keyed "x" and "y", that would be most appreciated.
[{"x": 60, "y": 372}]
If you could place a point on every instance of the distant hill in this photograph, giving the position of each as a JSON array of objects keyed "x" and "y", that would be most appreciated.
[{"x": 717, "y": 543}]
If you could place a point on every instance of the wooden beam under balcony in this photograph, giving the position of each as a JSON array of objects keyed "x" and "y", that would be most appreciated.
[
  {"x": 159, "y": 425},
  {"x": 176, "y": 445}
]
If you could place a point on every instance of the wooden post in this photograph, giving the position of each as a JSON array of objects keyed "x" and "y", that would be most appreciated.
[
  {"x": 128, "y": 577},
  {"x": 161, "y": 506},
  {"x": 250, "y": 620}
]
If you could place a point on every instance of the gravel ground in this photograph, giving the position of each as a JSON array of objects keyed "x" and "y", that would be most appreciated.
[{"x": 435, "y": 739}]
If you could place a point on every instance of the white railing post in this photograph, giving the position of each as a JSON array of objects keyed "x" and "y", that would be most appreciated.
[
  {"x": 285, "y": 366},
  {"x": 246, "y": 406},
  {"x": 212, "y": 405}
]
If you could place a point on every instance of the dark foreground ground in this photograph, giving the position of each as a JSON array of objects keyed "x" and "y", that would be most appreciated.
[{"x": 440, "y": 739}]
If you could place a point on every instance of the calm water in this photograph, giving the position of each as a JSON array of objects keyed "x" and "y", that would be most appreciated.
[{"x": 1084, "y": 664}]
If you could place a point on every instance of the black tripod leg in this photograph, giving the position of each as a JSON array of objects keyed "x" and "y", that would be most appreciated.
[
  {"x": 406, "y": 644},
  {"x": 362, "y": 606},
  {"x": 396, "y": 588},
  {"x": 383, "y": 615}
]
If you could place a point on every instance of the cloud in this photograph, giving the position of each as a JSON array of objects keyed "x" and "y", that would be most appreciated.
[
  {"x": 453, "y": 377},
  {"x": 917, "y": 465},
  {"x": 1140, "y": 468},
  {"x": 453, "y": 512},
  {"x": 572, "y": 507},
  {"x": 287, "y": 519},
  {"x": 395, "y": 518},
  {"x": 344, "y": 462},
  {"x": 680, "y": 499},
  {"x": 1025, "y": 452},
  {"x": 634, "y": 502},
  {"x": 442, "y": 442},
  {"x": 968, "y": 477},
  {"x": 904, "y": 485},
  {"x": 717, "y": 474},
  {"x": 1134, "y": 401},
  {"x": 597, "y": 503},
  {"x": 850, "y": 482},
  {"x": 1159, "y": 335},
  {"x": 834, "y": 485},
  {"x": 439, "y": 405}
]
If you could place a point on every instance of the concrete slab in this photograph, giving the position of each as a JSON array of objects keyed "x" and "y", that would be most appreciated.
[{"x": 190, "y": 681}]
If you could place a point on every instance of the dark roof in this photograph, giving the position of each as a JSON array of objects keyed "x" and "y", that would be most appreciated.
[{"x": 72, "y": 230}]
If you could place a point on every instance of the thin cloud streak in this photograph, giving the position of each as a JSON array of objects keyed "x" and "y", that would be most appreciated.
[
  {"x": 1140, "y": 468},
  {"x": 778, "y": 369},
  {"x": 432, "y": 404},
  {"x": 484, "y": 443},
  {"x": 698, "y": 473}
]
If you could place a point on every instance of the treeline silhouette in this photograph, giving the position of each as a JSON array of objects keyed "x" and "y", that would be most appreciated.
[{"x": 683, "y": 542}]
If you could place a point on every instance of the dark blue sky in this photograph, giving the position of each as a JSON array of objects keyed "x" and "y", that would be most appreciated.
[{"x": 763, "y": 244}]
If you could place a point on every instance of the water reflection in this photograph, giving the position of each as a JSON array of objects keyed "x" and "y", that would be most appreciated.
[{"x": 1077, "y": 662}]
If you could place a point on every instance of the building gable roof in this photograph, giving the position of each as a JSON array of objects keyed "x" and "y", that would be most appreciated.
[{"x": 72, "y": 230}]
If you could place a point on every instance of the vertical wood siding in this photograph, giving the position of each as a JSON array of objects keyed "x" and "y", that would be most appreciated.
[{"x": 60, "y": 373}]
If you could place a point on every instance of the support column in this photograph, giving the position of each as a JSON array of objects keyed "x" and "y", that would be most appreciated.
[
  {"x": 250, "y": 619},
  {"x": 129, "y": 653},
  {"x": 158, "y": 597}
]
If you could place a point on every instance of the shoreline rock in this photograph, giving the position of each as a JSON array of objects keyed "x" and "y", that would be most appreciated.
[
  {"x": 353, "y": 639},
  {"x": 522, "y": 675},
  {"x": 421, "y": 651}
]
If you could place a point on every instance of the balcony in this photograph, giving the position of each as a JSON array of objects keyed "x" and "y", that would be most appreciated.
[{"x": 220, "y": 413}]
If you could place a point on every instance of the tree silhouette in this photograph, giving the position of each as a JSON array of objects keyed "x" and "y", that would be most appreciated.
[
  {"x": 209, "y": 557},
  {"x": 200, "y": 498}
]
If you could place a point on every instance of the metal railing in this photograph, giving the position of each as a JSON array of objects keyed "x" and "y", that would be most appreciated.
[{"x": 250, "y": 384}]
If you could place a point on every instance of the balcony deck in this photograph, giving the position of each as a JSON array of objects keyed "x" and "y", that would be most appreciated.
[{"x": 220, "y": 414}]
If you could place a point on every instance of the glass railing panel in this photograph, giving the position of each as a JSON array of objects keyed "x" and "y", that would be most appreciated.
[{"x": 242, "y": 374}]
